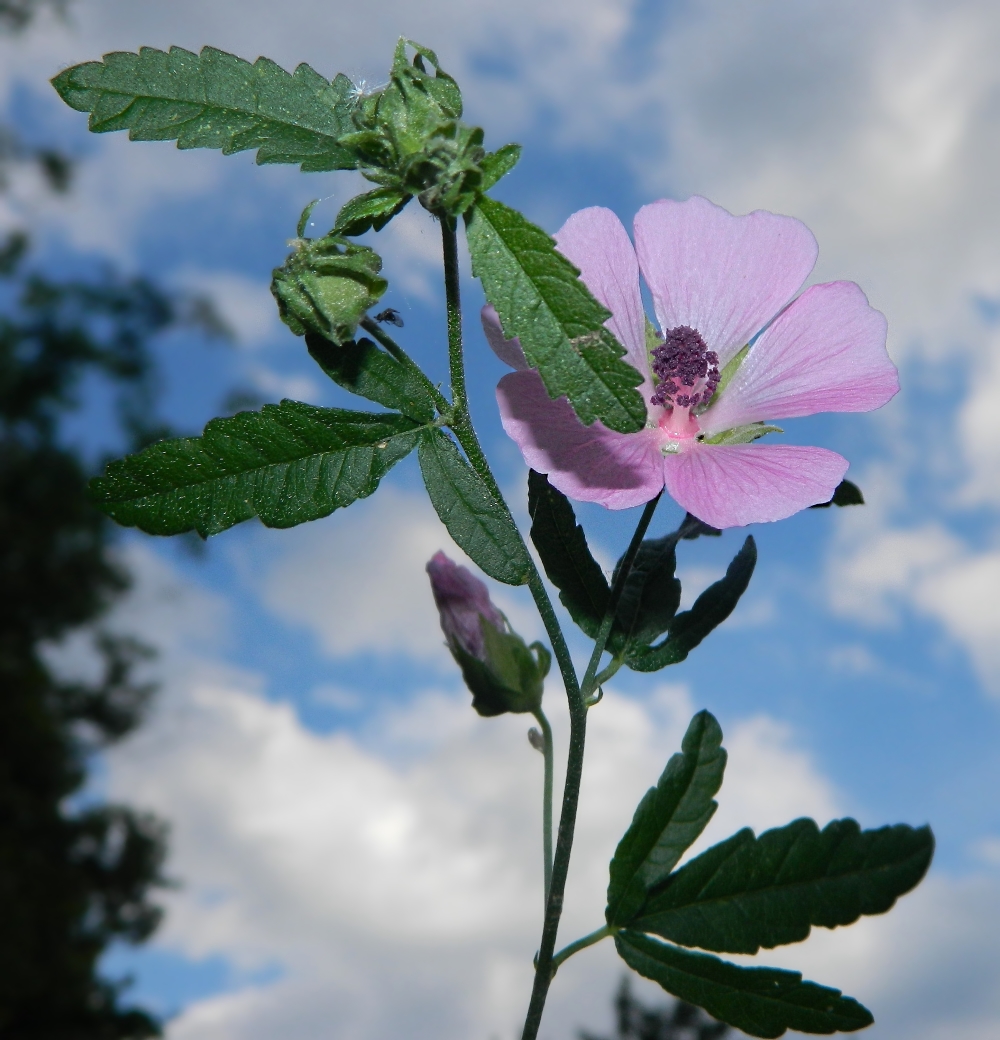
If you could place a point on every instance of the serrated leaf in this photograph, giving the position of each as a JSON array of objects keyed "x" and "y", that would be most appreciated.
[
  {"x": 498, "y": 164},
  {"x": 565, "y": 555},
  {"x": 710, "y": 609},
  {"x": 216, "y": 100},
  {"x": 846, "y": 493},
  {"x": 763, "y": 1002},
  {"x": 651, "y": 594},
  {"x": 370, "y": 211},
  {"x": 479, "y": 524},
  {"x": 540, "y": 300},
  {"x": 669, "y": 819},
  {"x": 747, "y": 892},
  {"x": 366, "y": 370},
  {"x": 285, "y": 464}
]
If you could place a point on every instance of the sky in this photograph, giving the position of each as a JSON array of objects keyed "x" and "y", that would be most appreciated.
[{"x": 356, "y": 853}]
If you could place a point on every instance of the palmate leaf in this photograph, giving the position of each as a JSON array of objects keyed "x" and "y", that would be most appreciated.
[
  {"x": 565, "y": 555},
  {"x": 761, "y": 1001},
  {"x": 372, "y": 373},
  {"x": 540, "y": 299},
  {"x": 651, "y": 595},
  {"x": 669, "y": 819},
  {"x": 216, "y": 100},
  {"x": 710, "y": 609},
  {"x": 747, "y": 892},
  {"x": 480, "y": 524},
  {"x": 286, "y": 464}
]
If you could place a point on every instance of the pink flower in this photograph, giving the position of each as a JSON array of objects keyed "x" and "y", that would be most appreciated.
[{"x": 716, "y": 281}]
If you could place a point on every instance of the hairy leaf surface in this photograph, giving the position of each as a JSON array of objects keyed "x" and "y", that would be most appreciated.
[
  {"x": 216, "y": 100},
  {"x": 366, "y": 370},
  {"x": 747, "y": 892},
  {"x": 761, "y": 1001},
  {"x": 540, "y": 299},
  {"x": 479, "y": 524},
  {"x": 286, "y": 464}
]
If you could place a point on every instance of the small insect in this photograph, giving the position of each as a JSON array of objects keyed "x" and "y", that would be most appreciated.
[{"x": 391, "y": 316}]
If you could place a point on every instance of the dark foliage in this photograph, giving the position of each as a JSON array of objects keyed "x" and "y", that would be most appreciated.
[
  {"x": 682, "y": 1021},
  {"x": 72, "y": 880}
]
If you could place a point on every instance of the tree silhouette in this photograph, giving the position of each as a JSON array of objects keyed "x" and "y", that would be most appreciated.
[{"x": 682, "y": 1021}]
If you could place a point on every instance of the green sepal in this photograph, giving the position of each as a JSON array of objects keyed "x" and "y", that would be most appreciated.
[
  {"x": 746, "y": 893},
  {"x": 512, "y": 677},
  {"x": 498, "y": 164},
  {"x": 370, "y": 211},
  {"x": 541, "y": 300},
  {"x": 763, "y": 1002},
  {"x": 730, "y": 369},
  {"x": 710, "y": 609},
  {"x": 743, "y": 434},
  {"x": 285, "y": 464},
  {"x": 479, "y": 524},
  {"x": 370, "y": 372},
  {"x": 565, "y": 555},
  {"x": 216, "y": 100},
  {"x": 846, "y": 493},
  {"x": 668, "y": 820},
  {"x": 326, "y": 286}
]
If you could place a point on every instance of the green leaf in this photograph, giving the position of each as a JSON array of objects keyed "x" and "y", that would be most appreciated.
[
  {"x": 761, "y": 1001},
  {"x": 710, "y": 609},
  {"x": 651, "y": 594},
  {"x": 364, "y": 369},
  {"x": 747, "y": 892},
  {"x": 285, "y": 464},
  {"x": 540, "y": 299},
  {"x": 668, "y": 820},
  {"x": 480, "y": 524},
  {"x": 845, "y": 494},
  {"x": 565, "y": 555},
  {"x": 498, "y": 164},
  {"x": 373, "y": 210},
  {"x": 216, "y": 100}
]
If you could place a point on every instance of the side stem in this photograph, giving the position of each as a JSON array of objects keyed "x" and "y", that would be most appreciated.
[
  {"x": 549, "y": 754},
  {"x": 373, "y": 328}
]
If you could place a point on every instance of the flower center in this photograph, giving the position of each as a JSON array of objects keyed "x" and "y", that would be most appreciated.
[{"x": 688, "y": 374}]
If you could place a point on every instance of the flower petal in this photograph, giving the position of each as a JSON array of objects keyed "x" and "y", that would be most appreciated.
[
  {"x": 508, "y": 350},
  {"x": 596, "y": 241},
  {"x": 588, "y": 463},
  {"x": 737, "y": 484},
  {"x": 725, "y": 276},
  {"x": 825, "y": 353}
]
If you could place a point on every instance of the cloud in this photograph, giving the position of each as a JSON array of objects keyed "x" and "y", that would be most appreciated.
[{"x": 357, "y": 581}]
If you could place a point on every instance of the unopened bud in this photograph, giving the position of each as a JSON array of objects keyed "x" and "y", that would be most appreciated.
[{"x": 501, "y": 671}]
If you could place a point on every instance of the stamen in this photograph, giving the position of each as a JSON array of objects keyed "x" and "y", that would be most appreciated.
[{"x": 688, "y": 371}]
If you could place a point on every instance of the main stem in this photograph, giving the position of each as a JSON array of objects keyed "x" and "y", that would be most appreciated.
[{"x": 466, "y": 435}]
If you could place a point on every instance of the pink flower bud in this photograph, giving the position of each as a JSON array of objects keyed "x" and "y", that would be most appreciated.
[{"x": 462, "y": 599}]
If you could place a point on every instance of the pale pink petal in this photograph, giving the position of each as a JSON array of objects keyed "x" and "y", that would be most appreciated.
[
  {"x": 508, "y": 350},
  {"x": 737, "y": 484},
  {"x": 588, "y": 463},
  {"x": 595, "y": 240},
  {"x": 725, "y": 276},
  {"x": 825, "y": 353}
]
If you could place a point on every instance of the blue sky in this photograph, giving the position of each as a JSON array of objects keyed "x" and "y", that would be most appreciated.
[{"x": 339, "y": 814}]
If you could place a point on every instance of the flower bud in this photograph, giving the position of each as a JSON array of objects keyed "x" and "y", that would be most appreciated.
[{"x": 501, "y": 671}]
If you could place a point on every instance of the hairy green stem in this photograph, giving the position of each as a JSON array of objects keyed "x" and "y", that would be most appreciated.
[
  {"x": 549, "y": 754},
  {"x": 374, "y": 329},
  {"x": 581, "y": 944},
  {"x": 544, "y": 962},
  {"x": 590, "y": 678}
]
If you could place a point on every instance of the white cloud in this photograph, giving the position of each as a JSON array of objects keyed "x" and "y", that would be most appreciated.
[{"x": 358, "y": 580}]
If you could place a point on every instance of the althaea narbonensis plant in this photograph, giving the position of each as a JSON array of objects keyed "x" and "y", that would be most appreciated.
[{"x": 605, "y": 407}]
